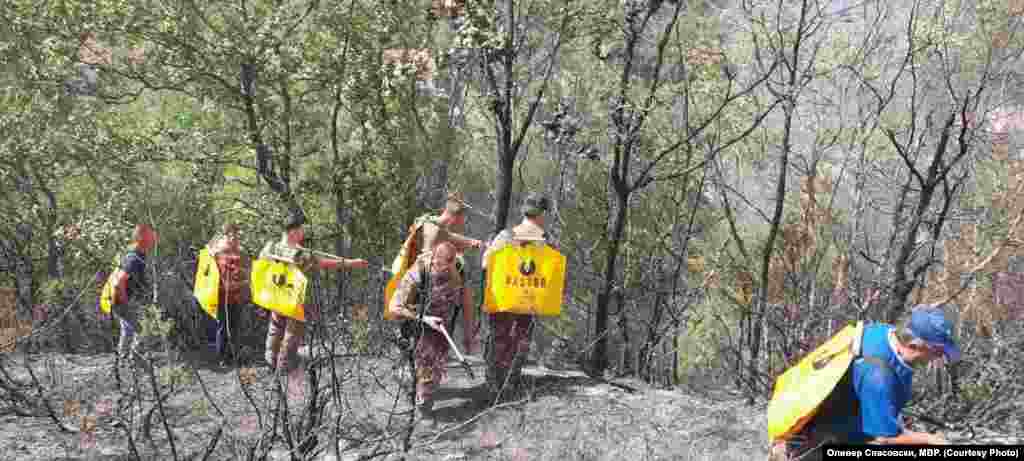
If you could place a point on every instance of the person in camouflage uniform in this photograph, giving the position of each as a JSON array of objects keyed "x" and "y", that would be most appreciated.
[
  {"x": 226, "y": 250},
  {"x": 510, "y": 333},
  {"x": 449, "y": 226},
  {"x": 282, "y": 329},
  {"x": 444, "y": 291}
]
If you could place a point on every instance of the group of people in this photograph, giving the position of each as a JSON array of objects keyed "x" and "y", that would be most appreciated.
[
  {"x": 435, "y": 288},
  {"x": 426, "y": 302}
]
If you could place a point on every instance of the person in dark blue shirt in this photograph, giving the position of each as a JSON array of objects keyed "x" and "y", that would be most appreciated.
[
  {"x": 867, "y": 405},
  {"x": 132, "y": 288}
]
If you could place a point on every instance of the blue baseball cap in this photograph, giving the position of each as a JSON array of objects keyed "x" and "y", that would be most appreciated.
[{"x": 929, "y": 324}]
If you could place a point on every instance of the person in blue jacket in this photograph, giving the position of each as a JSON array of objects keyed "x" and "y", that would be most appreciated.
[{"x": 868, "y": 404}]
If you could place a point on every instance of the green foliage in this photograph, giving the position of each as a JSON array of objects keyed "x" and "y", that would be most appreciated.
[
  {"x": 171, "y": 139},
  {"x": 976, "y": 392},
  {"x": 360, "y": 336},
  {"x": 51, "y": 292},
  {"x": 704, "y": 329},
  {"x": 154, "y": 324},
  {"x": 176, "y": 375},
  {"x": 200, "y": 408}
]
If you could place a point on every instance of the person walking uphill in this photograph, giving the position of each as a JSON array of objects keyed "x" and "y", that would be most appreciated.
[
  {"x": 226, "y": 250},
  {"x": 282, "y": 329},
  {"x": 426, "y": 233},
  {"x": 442, "y": 291},
  {"x": 881, "y": 382},
  {"x": 510, "y": 343},
  {"x": 132, "y": 288}
]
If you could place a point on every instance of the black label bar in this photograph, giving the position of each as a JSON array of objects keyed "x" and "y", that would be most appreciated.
[{"x": 922, "y": 452}]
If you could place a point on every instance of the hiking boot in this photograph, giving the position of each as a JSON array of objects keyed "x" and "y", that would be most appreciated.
[
  {"x": 425, "y": 411},
  {"x": 501, "y": 385},
  {"x": 496, "y": 378},
  {"x": 227, "y": 358},
  {"x": 520, "y": 381}
]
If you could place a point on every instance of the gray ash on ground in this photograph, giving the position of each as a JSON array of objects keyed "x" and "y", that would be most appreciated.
[{"x": 563, "y": 414}]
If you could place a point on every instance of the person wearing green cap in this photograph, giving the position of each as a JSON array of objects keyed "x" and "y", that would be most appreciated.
[
  {"x": 282, "y": 329},
  {"x": 869, "y": 409},
  {"x": 512, "y": 332}
]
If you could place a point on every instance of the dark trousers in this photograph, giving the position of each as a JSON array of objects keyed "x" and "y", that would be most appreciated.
[{"x": 222, "y": 333}]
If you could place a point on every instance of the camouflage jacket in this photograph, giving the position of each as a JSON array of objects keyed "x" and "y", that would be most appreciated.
[{"x": 280, "y": 251}]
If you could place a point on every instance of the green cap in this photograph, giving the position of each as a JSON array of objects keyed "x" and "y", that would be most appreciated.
[{"x": 535, "y": 204}]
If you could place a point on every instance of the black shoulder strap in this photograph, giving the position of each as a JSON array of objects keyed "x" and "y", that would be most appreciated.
[
  {"x": 422, "y": 293},
  {"x": 411, "y": 329}
]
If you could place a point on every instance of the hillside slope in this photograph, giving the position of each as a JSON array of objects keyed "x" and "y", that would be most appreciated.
[{"x": 563, "y": 415}]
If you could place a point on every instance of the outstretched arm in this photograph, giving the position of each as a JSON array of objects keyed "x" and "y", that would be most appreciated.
[
  {"x": 343, "y": 263},
  {"x": 460, "y": 241}
]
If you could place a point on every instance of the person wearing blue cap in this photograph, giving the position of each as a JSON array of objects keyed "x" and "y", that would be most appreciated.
[{"x": 881, "y": 381}]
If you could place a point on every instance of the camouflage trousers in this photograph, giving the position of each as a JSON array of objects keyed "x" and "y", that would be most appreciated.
[
  {"x": 431, "y": 353},
  {"x": 510, "y": 344},
  {"x": 222, "y": 332},
  {"x": 280, "y": 330},
  {"x": 431, "y": 357}
]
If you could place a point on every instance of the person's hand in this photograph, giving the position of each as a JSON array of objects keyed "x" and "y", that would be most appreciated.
[
  {"x": 358, "y": 264},
  {"x": 434, "y": 322},
  {"x": 476, "y": 243},
  {"x": 936, "y": 439}
]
